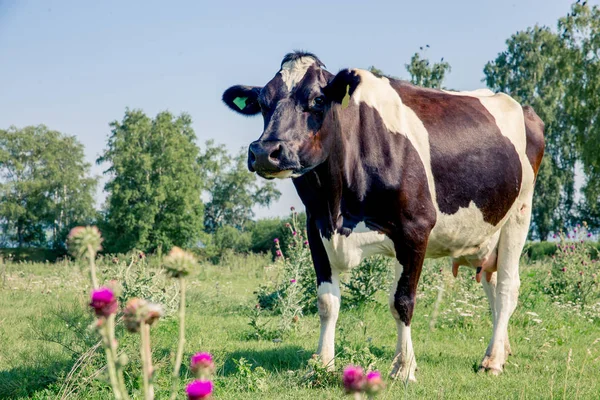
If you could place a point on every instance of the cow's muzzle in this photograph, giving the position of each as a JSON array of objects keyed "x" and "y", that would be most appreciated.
[{"x": 271, "y": 158}]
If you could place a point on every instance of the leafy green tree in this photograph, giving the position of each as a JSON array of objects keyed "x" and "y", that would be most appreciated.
[
  {"x": 232, "y": 190},
  {"x": 580, "y": 33},
  {"x": 428, "y": 75},
  {"x": 421, "y": 71},
  {"x": 155, "y": 183},
  {"x": 45, "y": 187}
]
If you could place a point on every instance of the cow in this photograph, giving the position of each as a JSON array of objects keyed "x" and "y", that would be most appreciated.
[{"x": 386, "y": 167}]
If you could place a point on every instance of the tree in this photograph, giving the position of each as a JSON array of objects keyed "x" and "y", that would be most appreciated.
[
  {"x": 421, "y": 71},
  {"x": 45, "y": 187},
  {"x": 155, "y": 183},
  {"x": 424, "y": 74},
  {"x": 580, "y": 31},
  {"x": 232, "y": 190}
]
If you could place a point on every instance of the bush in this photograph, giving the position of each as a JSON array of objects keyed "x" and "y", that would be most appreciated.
[
  {"x": 536, "y": 251},
  {"x": 574, "y": 275},
  {"x": 373, "y": 274}
]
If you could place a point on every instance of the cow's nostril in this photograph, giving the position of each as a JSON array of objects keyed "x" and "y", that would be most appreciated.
[
  {"x": 251, "y": 157},
  {"x": 275, "y": 153}
]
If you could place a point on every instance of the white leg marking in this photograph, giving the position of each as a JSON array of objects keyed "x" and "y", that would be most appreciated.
[
  {"x": 328, "y": 301},
  {"x": 512, "y": 239},
  {"x": 404, "y": 364}
]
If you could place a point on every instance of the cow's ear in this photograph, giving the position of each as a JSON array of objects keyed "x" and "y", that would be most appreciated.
[
  {"x": 340, "y": 87},
  {"x": 243, "y": 99}
]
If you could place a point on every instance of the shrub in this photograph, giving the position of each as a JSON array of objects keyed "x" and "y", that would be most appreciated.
[
  {"x": 574, "y": 275},
  {"x": 372, "y": 275}
]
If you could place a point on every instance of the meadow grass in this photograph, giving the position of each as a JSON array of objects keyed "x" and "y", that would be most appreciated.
[{"x": 43, "y": 317}]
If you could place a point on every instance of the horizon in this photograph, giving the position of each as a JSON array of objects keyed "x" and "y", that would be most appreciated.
[{"x": 76, "y": 68}]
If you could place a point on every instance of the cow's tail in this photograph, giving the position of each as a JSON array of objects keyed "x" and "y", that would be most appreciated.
[{"x": 534, "y": 130}]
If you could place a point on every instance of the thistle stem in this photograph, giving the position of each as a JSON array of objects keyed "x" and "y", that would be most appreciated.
[
  {"x": 181, "y": 343},
  {"x": 91, "y": 256},
  {"x": 113, "y": 348},
  {"x": 110, "y": 362},
  {"x": 146, "y": 362}
]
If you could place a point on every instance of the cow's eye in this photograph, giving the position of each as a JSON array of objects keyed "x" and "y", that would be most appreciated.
[{"x": 319, "y": 101}]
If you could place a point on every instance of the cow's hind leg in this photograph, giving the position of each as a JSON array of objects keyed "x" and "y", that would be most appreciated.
[
  {"x": 510, "y": 247},
  {"x": 490, "y": 290}
]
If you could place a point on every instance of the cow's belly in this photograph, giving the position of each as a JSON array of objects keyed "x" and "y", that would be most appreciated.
[
  {"x": 463, "y": 234},
  {"x": 346, "y": 252}
]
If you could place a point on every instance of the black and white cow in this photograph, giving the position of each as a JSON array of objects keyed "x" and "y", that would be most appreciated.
[{"x": 386, "y": 167}]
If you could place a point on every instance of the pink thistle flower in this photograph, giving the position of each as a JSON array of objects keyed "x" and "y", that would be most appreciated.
[
  {"x": 374, "y": 383},
  {"x": 581, "y": 273},
  {"x": 306, "y": 242},
  {"x": 292, "y": 208},
  {"x": 564, "y": 269},
  {"x": 202, "y": 364},
  {"x": 294, "y": 233},
  {"x": 292, "y": 281},
  {"x": 199, "y": 389},
  {"x": 278, "y": 253},
  {"x": 142, "y": 255},
  {"x": 589, "y": 234},
  {"x": 554, "y": 236},
  {"x": 353, "y": 379},
  {"x": 276, "y": 240},
  {"x": 104, "y": 302}
]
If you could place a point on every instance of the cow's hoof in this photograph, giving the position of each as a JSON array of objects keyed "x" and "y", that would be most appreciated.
[
  {"x": 487, "y": 365},
  {"x": 404, "y": 374}
]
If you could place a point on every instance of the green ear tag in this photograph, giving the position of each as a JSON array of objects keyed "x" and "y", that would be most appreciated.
[
  {"x": 240, "y": 102},
  {"x": 346, "y": 99}
]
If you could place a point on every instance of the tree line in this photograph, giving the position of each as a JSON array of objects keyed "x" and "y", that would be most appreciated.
[{"x": 165, "y": 190}]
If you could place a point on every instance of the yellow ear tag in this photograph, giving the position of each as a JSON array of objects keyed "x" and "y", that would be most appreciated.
[
  {"x": 240, "y": 102},
  {"x": 346, "y": 99}
]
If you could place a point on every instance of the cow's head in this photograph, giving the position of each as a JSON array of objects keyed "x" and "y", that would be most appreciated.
[{"x": 294, "y": 106}]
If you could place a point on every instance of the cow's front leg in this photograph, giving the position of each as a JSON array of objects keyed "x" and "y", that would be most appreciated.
[
  {"x": 328, "y": 301},
  {"x": 404, "y": 364},
  {"x": 328, "y": 295},
  {"x": 402, "y": 303}
]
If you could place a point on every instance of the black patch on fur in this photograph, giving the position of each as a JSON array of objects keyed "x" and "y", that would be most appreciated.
[
  {"x": 470, "y": 158},
  {"x": 298, "y": 54}
]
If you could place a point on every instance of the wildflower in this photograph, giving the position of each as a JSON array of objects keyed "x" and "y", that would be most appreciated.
[
  {"x": 104, "y": 302},
  {"x": 581, "y": 273},
  {"x": 306, "y": 242},
  {"x": 115, "y": 260},
  {"x": 142, "y": 255},
  {"x": 83, "y": 238},
  {"x": 294, "y": 233},
  {"x": 589, "y": 234},
  {"x": 295, "y": 319},
  {"x": 276, "y": 240},
  {"x": 153, "y": 312},
  {"x": 199, "y": 389},
  {"x": 202, "y": 364},
  {"x": 353, "y": 379},
  {"x": 374, "y": 383},
  {"x": 292, "y": 208},
  {"x": 292, "y": 281},
  {"x": 564, "y": 269},
  {"x": 287, "y": 225},
  {"x": 179, "y": 263},
  {"x": 554, "y": 236},
  {"x": 278, "y": 253}
]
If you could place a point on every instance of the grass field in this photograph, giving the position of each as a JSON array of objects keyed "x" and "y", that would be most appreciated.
[{"x": 43, "y": 320}]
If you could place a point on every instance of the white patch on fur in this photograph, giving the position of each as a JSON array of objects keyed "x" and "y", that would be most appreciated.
[
  {"x": 292, "y": 72},
  {"x": 328, "y": 302},
  {"x": 346, "y": 252}
]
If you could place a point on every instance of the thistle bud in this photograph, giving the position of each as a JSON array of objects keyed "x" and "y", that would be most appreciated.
[
  {"x": 179, "y": 262},
  {"x": 82, "y": 238}
]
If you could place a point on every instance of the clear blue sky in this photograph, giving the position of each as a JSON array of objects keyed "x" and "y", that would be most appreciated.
[{"x": 75, "y": 65}]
